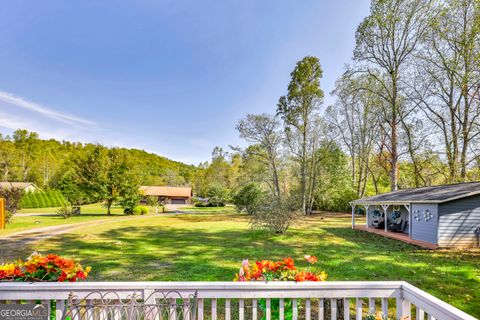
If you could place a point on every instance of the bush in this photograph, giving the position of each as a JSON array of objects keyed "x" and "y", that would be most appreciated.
[
  {"x": 273, "y": 215},
  {"x": 248, "y": 198},
  {"x": 130, "y": 201},
  {"x": 201, "y": 204},
  {"x": 140, "y": 210},
  {"x": 66, "y": 211}
]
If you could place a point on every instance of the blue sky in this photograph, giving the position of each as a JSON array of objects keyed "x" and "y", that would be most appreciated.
[{"x": 169, "y": 76}]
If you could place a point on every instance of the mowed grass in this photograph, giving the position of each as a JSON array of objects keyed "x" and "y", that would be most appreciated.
[
  {"x": 210, "y": 247},
  {"x": 24, "y": 220},
  {"x": 226, "y": 209}
]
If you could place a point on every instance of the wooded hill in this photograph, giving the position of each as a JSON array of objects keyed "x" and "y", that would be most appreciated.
[{"x": 26, "y": 157}]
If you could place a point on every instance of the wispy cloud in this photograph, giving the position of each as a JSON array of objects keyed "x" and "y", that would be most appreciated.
[{"x": 48, "y": 112}]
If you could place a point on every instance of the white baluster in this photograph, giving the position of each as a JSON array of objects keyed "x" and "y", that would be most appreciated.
[
  {"x": 359, "y": 309},
  {"x": 200, "y": 309},
  {"x": 308, "y": 313},
  {"x": 385, "y": 306},
  {"x": 420, "y": 314},
  {"x": 241, "y": 307},
  {"x": 281, "y": 309},
  {"x": 371, "y": 305},
  {"x": 254, "y": 309},
  {"x": 346, "y": 308},
  {"x": 227, "y": 309},
  {"x": 59, "y": 309},
  {"x": 333, "y": 309},
  {"x": 269, "y": 314},
  {"x": 214, "y": 309},
  {"x": 294, "y": 309},
  {"x": 321, "y": 309}
]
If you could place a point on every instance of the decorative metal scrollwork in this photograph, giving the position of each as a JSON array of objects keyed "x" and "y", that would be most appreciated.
[
  {"x": 416, "y": 215},
  {"x": 427, "y": 215},
  {"x": 114, "y": 305}
]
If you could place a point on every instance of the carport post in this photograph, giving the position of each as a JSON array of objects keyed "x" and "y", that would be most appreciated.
[
  {"x": 366, "y": 214},
  {"x": 353, "y": 215},
  {"x": 385, "y": 207}
]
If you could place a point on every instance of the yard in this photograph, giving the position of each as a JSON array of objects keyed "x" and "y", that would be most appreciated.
[
  {"x": 30, "y": 219},
  {"x": 210, "y": 247}
]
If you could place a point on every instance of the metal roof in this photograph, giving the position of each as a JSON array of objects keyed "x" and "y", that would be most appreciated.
[{"x": 433, "y": 194}]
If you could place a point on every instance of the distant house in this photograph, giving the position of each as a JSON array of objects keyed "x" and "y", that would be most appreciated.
[
  {"x": 171, "y": 195},
  {"x": 25, "y": 186},
  {"x": 437, "y": 216}
]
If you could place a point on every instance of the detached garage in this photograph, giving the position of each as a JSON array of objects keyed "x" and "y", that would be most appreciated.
[
  {"x": 438, "y": 216},
  {"x": 169, "y": 195}
]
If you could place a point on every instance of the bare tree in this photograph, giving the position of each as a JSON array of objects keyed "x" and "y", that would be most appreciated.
[
  {"x": 448, "y": 81},
  {"x": 264, "y": 130},
  {"x": 384, "y": 42},
  {"x": 354, "y": 118}
]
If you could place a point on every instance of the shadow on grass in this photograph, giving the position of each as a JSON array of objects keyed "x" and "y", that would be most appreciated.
[{"x": 206, "y": 252}]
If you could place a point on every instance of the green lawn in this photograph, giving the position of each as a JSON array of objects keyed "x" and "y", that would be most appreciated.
[
  {"x": 211, "y": 246},
  {"x": 21, "y": 221},
  {"x": 226, "y": 209}
]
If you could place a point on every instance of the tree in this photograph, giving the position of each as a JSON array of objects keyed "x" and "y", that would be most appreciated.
[
  {"x": 12, "y": 197},
  {"x": 263, "y": 131},
  {"x": 447, "y": 82},
  {"x": 25, "y": 142},
  {"x": 105, "y": 175},
  {"x": 298, "y": 109},
  {"x": 354, "y": 118},
  {"x": 385, "y": 40},
  {"x": 248, "y": 198}
]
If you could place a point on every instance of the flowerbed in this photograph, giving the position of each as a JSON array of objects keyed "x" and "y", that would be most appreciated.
[
  {"x": 283, "y": 270},
  {"x": 49, "y": 268}
]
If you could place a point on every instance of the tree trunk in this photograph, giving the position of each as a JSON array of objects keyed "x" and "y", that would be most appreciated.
[{"x": 393, "y": 137}]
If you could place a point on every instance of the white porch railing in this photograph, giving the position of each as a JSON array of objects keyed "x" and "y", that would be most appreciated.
[{"x": 254, "y": 300}]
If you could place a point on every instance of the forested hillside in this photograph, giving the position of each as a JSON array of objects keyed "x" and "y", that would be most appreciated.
[{"x": 26, "y": 157}]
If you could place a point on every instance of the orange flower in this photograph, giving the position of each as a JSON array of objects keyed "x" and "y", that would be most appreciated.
[
  {"x": 311, "y": 259},
  {"x": 289, "y": 263}
]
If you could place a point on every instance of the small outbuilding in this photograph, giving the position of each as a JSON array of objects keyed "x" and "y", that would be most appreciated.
[
  {"x": 432, "y": 217},
  {"x": 24, "y": 186},
  {"x": 169, "y": 195}
]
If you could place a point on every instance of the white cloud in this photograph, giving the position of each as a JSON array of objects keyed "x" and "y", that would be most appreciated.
[{"x": 32, "y": 106}]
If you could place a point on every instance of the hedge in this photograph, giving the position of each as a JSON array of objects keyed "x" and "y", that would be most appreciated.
[{"x": 46, "y": 199}]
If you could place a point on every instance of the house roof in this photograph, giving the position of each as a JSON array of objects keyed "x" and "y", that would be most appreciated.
[
  {"x": 185, "y": 192},
  {"x": 18, "y": 185},
  {"x": 433, "y": 194}
]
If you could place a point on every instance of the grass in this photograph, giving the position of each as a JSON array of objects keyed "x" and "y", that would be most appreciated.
[
  {"x": 226, "y": 209},
  {"x": 210, "y": 247},
  {"x": 48, "y": 217}
]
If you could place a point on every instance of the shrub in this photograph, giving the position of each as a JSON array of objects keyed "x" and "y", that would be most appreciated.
[
  {"x": 140, "y": 210},
  {"x": 201, "y": 204},
  {"x": 66, "y": 211},
  {"x": 273, "y": 215},
  {"x": 248, "y": 198},
  {"x": 129, "y": 201}
]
